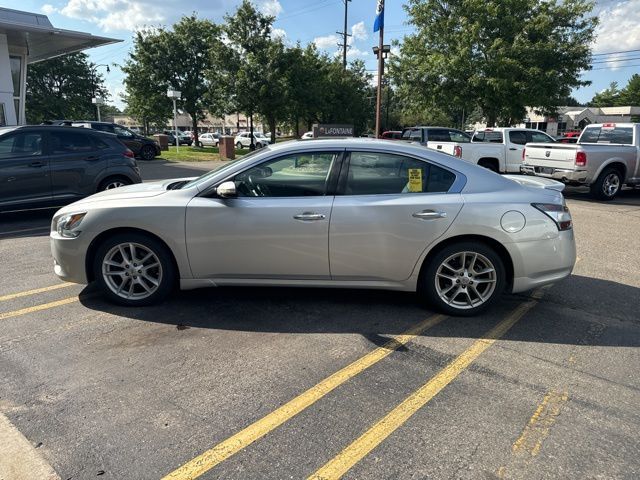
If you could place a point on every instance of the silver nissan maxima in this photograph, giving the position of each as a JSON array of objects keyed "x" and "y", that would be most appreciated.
[{"x": 352, "y": 213}]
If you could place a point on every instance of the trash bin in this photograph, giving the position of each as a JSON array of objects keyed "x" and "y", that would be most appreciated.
[
  {"x": 163, "y": 141},
  {"x": 227, "y": 148}
]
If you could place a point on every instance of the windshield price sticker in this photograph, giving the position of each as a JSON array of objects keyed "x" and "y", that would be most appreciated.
[{"x": 415, "y": 180}]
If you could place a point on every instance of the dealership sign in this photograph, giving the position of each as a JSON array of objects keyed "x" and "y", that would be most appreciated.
[{"x": 332, "y": 130}]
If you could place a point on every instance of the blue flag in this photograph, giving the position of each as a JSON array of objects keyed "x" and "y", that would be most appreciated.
[{"x": 379, "y": 21}]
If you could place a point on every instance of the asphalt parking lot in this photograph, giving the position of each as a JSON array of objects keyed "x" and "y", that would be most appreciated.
[{"x": 253, "y": 383}]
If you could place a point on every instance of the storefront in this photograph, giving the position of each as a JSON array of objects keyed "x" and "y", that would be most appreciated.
[{"x": 27, "y": 38}]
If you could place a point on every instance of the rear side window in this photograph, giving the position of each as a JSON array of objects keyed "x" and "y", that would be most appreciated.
[
  {"x": 460, "y": 137},
  {"x": 70, "y": 142},
  {"x": 623, "y": 135},
  {"x": 103, "y": 127},
  {"x": 382, "y": 173},
  {"x": 489, "y": 137},
  {"x": 21, "y": 145},
  {"x": 518, "y": 137},
  {"x": 539, "y": 137},
  {"x": 438, "y": 135}
]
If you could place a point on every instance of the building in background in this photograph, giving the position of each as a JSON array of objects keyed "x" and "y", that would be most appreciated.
[
  {"x": 29, "y": 38},
  {"x": 569, "y": 119}
]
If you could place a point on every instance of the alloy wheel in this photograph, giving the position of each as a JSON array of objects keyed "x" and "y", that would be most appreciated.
[
  {"x": 465, "y": 280},
  {"x": 132, "y": 271},
  {"x": 114, "y": 184},
  {"x": 611, "y": 184}
]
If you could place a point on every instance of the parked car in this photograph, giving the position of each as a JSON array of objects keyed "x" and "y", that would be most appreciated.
[
  {"x": 392, "y": 135},
  {"x": 183, "y": 138},
  {"x": 243, "y": 140},
  {"x": 605, "y": 158},
  {"x": 340, "y": 213},
  {"x": 307, "y": 136},
  {"x": 209, "y": 139},
  {"x": 498, "y": 149},
  {"x": 141, "y": 146},
  {"x": 44, "y": 166}
]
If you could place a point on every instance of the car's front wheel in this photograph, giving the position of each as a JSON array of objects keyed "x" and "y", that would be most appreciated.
[
  {"x": 134, "y": 269},
  {"x": 463, "y": 279}
]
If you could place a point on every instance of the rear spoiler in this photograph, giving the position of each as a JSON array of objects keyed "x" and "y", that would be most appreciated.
[{"x": 538, "y": 182}]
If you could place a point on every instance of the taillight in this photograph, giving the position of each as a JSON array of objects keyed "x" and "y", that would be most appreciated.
[
  {"x": 581, "y": 159},
  {"x": 128, "y": 153},
  {"x": 523, "y": 153},
  {"x": 457, "y": 151},
  {"x": 558, "y": 213}
]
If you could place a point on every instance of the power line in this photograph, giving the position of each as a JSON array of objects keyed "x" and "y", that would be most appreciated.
[
  {"x": 613, "y": 66},
  {"x": 615, "y": 53},
  {"x": 614, "y": 60}
]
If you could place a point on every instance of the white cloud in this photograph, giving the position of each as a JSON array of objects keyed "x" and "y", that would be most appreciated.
[
  {"x": 279, "y": 33},
  {"x": 354, "y": 52},
  {"x": 618, "y": 30},
  {"x": 327, "y": 42},
  {"x": 48, "y": 9},
  {"x": 359, "y": 31},
  {"x": 270, "y": 7}
]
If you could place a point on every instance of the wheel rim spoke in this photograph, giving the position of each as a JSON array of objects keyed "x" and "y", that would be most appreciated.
[
  {"x": 118, "y": 271},
  {"x": 466, "y": 280}
]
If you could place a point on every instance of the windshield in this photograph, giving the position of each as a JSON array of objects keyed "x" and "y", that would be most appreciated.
[{"x": 220, "y": 168}]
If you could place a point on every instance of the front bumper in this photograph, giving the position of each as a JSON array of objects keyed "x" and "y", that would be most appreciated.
[
  {"x": 69, "y": 258},
  {"x": 564, "y": 175},
  {"x": 541, "y": 262}
]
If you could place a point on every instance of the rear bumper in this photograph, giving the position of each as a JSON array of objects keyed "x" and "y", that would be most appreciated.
[
  {"x": 564, "y": 175},
  {"x": 541, "y": 262}
]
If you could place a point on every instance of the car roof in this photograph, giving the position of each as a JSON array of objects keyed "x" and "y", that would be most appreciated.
[{"x": 61, "y": 128}]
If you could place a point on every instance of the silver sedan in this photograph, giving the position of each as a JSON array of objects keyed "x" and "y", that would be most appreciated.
[{"x": 333, "y": 213}]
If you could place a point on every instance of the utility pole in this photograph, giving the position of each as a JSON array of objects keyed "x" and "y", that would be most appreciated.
[
  {"x": 381, "y": 52},
  {"x": 345, "y": 35}
]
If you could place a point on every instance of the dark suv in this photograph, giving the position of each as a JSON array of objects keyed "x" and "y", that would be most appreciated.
[
  {"x": 141, "y": 146},
  {"x": 43, "y": 166}
]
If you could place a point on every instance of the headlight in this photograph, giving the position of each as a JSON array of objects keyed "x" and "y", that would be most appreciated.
[{"x": 67, "y": 225}]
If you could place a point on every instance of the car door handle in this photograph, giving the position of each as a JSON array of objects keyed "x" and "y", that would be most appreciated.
[
  {"x": 513, "y": 148},
  {"x": 309, "y": 216},
  {"x": 428, "y": 214},
  {"x": 37, "y": 164}
]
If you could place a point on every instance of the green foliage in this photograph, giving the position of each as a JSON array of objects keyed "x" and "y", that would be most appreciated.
[
  {"x": 630, "y": 95},
  {"x": 62, "y": 88},
  {"x": 496, "y": 55},
  {"x": 608, "y": 97},
  {"x": 175, "y": 58}
]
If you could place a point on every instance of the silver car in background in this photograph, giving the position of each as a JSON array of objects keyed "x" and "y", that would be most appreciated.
[{"x": 333, "y": 213}]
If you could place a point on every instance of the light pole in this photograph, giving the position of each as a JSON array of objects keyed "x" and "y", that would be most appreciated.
[
  {"x": 381, "y": 52},
  {"x": 97, "y": 101},
  {"x": 175, "y": 95}
]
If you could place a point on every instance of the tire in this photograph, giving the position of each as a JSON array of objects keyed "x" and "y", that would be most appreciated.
[
  {"x": 147, "y": 152},
  {"x": 144, "y": 291},
  {"x": 608, "y": 184},
  {"x": 113, "y": 182},
  {"x": 482, "y": 290},
  {"x": 238, "y": 145}
]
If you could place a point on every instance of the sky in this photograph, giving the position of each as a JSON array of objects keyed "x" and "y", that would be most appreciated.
[{"x": 315, "y": 21}]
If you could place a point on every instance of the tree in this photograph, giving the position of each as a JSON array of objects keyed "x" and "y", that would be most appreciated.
[
  {"x": 498, "y": 55},
  {"x": 608, "y": 97},
  {"x": 62, "y": 88},
  {"x": 630, "y": 95},
  {"x": 178, "y": 59}
]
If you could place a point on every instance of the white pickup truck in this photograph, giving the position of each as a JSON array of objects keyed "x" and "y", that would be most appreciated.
[
  {"x": 605, "y": 158},
  {"x": 498, "y": 149}
]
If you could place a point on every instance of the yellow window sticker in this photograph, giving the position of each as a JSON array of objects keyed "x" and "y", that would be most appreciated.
[{"x": 415, "y": 180}]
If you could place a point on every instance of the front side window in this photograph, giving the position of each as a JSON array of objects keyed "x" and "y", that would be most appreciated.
[
  {"x": 122, "y": 132},
  {"x": 296, "y": 175},
  {"x": 26, "y": 144},
  {"x": 384, "y": 173},
  {"x": 70, "y": 142},
  {"x": 460, "y": 137}
]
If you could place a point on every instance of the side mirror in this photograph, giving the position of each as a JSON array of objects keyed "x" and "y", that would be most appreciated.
[{"x": 226, "y": 190}]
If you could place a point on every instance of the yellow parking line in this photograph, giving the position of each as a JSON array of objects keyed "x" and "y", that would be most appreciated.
[
  {"x": 347, "y": 458},
  {"x": 57, "y": 286},
  {"x": 209, "y": 459},
  {"x": 540, "y": 423},
  {"x": 38, "y": 308}
]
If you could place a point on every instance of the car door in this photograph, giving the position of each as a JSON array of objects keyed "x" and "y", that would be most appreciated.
[
  {"x": 25, "y": 177},
  {"x": 387, "y": 210},
  {"x": 276, "y": 228},
  {"x": 132, "y": 141},
  {"x": 77, "y": 159},
  {"x": 517, "y": 139}
]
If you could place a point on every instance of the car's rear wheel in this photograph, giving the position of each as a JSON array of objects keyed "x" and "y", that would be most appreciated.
[
  {"x": 148, "y": 152},
  {"x": 608, "y": 184},
  {"x": 463, "y": 279},
  {"x": 134, "y": 269},
  {"x": 238, "y": 145},
  {"x": 113, "y": 182}
]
